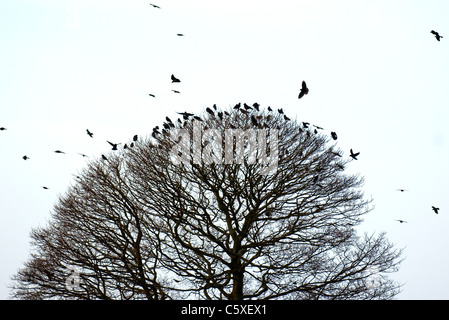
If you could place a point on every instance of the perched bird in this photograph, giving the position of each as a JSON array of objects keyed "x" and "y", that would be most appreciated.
[
  {"x": 304, "y": 90},
  {"x": 435, "y": 209},
  {"x": 256, "y": 106},
  {"x": 156, "y": 130},
  {"x": 25, "y": 157},
  {"x": 2, "y": 128},
  {"x": 152, "y": 95},
  {"x": 197, "y": 118},
  {"x": 168, "y": 119},
  {"x": 214, "y": 106},
  {"x": 114, "y": 145},
  {"x": 209, "y": 110},
  {"x": 269, "y": 109},
  {"x": 155, "y": 6},
  {"x": 254, "y": 121},
  {"x": 247, "y": 107},
  {"x": 59, "y": 151},
  {"x": 281, "y": 111},
  {"x": 354, "y": 155},
  {"x": 401, "y": 221},
  {"x": 135, "y": 138},
  {"x": 286, "y": 118},
  {"x": 104, "y": 157},
  {"x": 90, "y": 134},
  {"x": 437, "y": 35},
  {"x": 334, "y": 135},
  {"x": 174, "y": 79}
]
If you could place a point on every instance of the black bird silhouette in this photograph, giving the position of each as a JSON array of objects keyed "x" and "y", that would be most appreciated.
[
  {"x": 166, "y": 126},
  {"x": 168, "y": 119},
  {"x": 214, "y": 106},
  {"x": 25, "y": 157},
  {"x": 114, "y": 145},
  {"x": 247, "y": 107},
  {"x": 334, "y": 135},
  {"x": 180, "y": 34},
  {"x": 435, "y": 209},
  {"x": 152, "y": 95},
  {"x": 59, "y": 151},
  {"x": 135, "y": 138},
  {"x": 90, "y": 133},
  {"x": 256, "y": 106},
  {"x": 254, "y": 121},
  {"x": 402, "y": 190},
  {"x": 402, "y": 221},
  {"x": 286, "y": 118},
  {"x": 237, "y": 106},
  {"x": 2, "y": 128},
  {"x": 281, "y": 111},
  {"x": 175, "y": 91},
  {"x": 185, "y": 115},
  {"x": 305, "y": 124},
  {"x": 437, "y": 35},
  {"x": 209, "y": 110},
  {"x": 104, "y": 157},
  {"x": 44, "y": 187},
  {"x": 304, "y": 90},
  {"x": 156, "y": 130},
  {"x": 155, "y": 6},
  {"x": 197, "y": 118},
  {"x": 174, "y": 79},
  {"x": 84, "y": 155},
  {"x": 354, "y": 155},
  {"x": 269, "y": 109}
]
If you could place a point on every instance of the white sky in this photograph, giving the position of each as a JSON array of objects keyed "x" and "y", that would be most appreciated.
[{"x": 376, "y": 76}]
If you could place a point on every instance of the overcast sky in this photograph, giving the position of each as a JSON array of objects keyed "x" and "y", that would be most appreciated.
[{"x": 376, "y": 75}]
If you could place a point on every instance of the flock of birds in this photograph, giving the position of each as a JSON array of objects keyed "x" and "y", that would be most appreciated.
[{"x": 245, "y": 108}]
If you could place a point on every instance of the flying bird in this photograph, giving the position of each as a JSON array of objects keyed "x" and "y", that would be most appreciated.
[
  {"x": 25, "y": 157},
  {"x": 185, "y": 115},
  {"x": 175, "y": 91},
  {"x": 334, "y": 135},
  {"x": 402, "y": 221},
  {"x": 152, "y": 95},
  {"x": 2, "y": 128},
  {"x": 44, "y": 187},
  {"x": 114, "y": 145},
  {"x": 84, "y": 155},
  {"x": 304, "y": 90},
  {"x": 354, "y": 155},
  {"x": 402, "y": 190},
  {"x": 180, "y": 34},
  {"x": 90, "y": 134},
  {"x": 437, "y": 35},
  {"x": 174, "y": 79},
  {"x": 155, "y": 6},
  {"x": 435, "y": 209},
  {"x": 59, "y": 151}
]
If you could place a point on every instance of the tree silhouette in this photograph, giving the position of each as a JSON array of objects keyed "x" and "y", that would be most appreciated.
[{"x": 223, "y": 208}]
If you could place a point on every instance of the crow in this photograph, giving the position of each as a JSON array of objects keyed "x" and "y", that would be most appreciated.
[
  {"x": 168, "y": 119},
  {"x": 305, "y": 124},
  {"x": 104, "y": 157},
  {"x": 269, "y": 109},
  {"x": 435, "y": 209},
  {"x": 281, "y": 111},
  {"x": 354, "y": 155},
  {"x": 155, "y": 6},
  {"x": 214, "y": 106},
  {"x": 174, "y": 79},
  {"x": 175, "y": 91},
  {"x": 334, "y": 135},
  {"x": 152, "y": 95},
  {"x": 44, "y": 187},
  {"x": 25, "y": 157},
  {"x": 237, "y": 106},
  {"x": 209, "y": 110},
  {"x": 156, "y": 130},
  {"x": 2, "y": 128},
  {"x": 256, "y": 106},
  {"x": 59, "y": 151},
  {"x": 114, "y": 145},
  {"x": 197, "y": 118},
  {"x": 247, "y": 107},
  {"x": 135, "y": 138},
  {"x": 304, "y": 90},
  {"x": 286, "y": 118},
  {"x": 185, "y": 115},
  {"x": 437, "y": 36},
  {"x": 90, "y": 133}
]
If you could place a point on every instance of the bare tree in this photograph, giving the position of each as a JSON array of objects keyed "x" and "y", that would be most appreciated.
[{"x": 194, "y": 212}]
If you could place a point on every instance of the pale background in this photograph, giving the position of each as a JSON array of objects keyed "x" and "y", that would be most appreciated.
[{"x": 376, "y": 76}]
